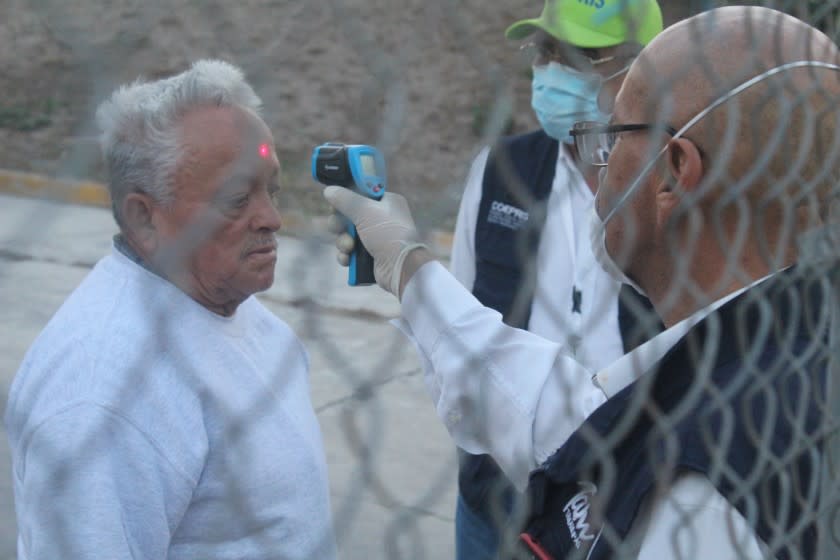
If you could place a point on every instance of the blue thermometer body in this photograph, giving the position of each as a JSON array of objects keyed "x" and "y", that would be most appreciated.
[{"x": 361, "y": 168}]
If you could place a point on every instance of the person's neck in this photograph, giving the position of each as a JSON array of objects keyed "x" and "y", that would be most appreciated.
[
  {"x": 691, "y": 298},
  {"x": 125, "y": 246},
  {"x": 212, "y": 299},
  {"x": 677, "y": 294}
]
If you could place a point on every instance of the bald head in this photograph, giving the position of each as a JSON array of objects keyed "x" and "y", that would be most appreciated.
[
  {"x": 727, "y": 199},
  {"x": 700, "y": 58},
  {"x": 777, "y": 137}
]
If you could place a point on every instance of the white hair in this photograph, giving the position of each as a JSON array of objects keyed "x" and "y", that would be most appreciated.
[{"x": 139, "y": 126}]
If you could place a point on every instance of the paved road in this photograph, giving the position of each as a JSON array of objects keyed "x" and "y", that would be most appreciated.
[{"x": 391, "y": 463}]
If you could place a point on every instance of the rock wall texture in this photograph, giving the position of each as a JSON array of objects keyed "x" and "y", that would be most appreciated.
[{"x": 429, "y": 82}]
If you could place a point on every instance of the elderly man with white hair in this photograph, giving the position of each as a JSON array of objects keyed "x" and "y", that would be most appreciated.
[{"x": 164, "y": 412}]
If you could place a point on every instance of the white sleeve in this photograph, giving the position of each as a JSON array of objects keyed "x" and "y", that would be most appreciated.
[
  {"x": 499, "y": 390},
  {"x": 93, "y": 485},
  {"x": 695, "y": 521},
  {"x": 462, "y": 262}
]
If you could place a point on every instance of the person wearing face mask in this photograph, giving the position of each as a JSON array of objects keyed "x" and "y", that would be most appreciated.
[
  {"x": 535, "y": 185},
  {"x": 712, "y": 439}
]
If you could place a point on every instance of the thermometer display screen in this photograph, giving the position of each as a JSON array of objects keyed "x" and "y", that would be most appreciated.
[{"x": 368, "y": 164}]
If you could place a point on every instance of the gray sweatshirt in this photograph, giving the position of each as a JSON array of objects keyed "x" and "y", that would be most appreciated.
[{"x": 143, "y": 425}]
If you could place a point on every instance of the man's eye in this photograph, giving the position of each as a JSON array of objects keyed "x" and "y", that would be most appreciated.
[{"x": 238, "y": 202}]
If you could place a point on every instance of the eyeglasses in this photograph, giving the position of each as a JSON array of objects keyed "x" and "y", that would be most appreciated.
[
  {"x": 546, "y": 51},
  {"x": 594, "y": 141}
]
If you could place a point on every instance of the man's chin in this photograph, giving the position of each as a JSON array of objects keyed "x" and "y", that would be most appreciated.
[
  {"x": 261, "y": 284},
  {"x": 260, "y": 274},
  {"x": 264, "y": 281}
]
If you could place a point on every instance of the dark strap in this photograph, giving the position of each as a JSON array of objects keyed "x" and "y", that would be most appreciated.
[{"x": 511, "y": 217}]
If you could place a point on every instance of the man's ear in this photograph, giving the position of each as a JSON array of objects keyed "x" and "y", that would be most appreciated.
[
  {"x": 138, "y": 213},
  {"x": 685, "y": 163},
  {"x": 683, "y": 170}
]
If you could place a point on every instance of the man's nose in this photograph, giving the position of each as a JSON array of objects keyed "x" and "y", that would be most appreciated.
[{"x": 267, "y": 214}]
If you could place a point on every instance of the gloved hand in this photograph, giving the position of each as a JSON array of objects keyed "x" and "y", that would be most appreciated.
[{"x": 385, "y": 227}]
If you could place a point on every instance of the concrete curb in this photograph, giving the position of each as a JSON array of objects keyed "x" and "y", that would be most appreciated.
[
  {"x": 87, "y": 193},
  {"x": 92, "y": 193}
]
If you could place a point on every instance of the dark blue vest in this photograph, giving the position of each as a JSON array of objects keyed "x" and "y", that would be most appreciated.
[
  {"x": 741, "y": 398},
  {"x": 511, "y": 217},
  {"x": 517, "y": 183}
]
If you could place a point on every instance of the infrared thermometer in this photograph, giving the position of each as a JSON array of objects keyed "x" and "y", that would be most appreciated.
[{"x": 362, "y": 169}]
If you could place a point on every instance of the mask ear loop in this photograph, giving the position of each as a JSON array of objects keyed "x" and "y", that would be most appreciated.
[
  {"x": 602, "y": 105},
  {"x": 617, "y": 73},
  {"x": 719, "y": 101}
]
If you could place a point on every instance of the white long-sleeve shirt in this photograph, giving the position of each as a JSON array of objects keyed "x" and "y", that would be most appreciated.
[
  {"x": 564, "y": 262},
  {"x": 507, "y": 393}
]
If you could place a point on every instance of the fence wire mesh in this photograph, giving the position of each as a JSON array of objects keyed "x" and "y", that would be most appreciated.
[{"x": 432, "y": 84}]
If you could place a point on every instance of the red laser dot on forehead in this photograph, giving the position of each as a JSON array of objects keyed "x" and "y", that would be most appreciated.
[{"x": 265, "y": 151}]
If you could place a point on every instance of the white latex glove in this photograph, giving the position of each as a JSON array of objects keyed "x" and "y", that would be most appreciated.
[{"x": 385, "y": 227}]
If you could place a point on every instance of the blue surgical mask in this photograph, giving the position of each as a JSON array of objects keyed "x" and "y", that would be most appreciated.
[{"x": 562, "y": 96}]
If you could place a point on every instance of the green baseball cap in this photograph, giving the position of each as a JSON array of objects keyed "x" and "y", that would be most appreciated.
[{"x": 594, "y": 23}]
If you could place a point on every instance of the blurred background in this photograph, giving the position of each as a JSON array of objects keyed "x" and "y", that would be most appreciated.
[{"x": 429, "y": 82}]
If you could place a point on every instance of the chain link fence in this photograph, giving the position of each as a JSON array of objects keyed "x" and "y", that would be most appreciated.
[{"x": 431, "y": 84}]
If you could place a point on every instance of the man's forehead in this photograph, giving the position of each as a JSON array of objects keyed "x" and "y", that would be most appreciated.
[
  {"x": 226, "y": 147},
  {"x": 626, "y": 103},
  {"x": 540, "y": 36},
  {"x": 225, "y": 132},
  {"x": 247, "y": 177}
]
